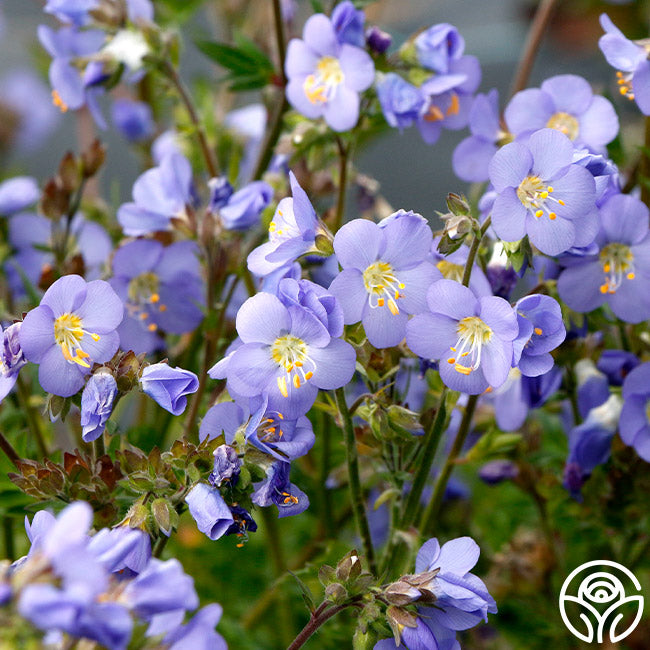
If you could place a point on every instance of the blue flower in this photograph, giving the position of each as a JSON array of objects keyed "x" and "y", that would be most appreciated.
[
  {"x": 97, "y": 404},
  {"x": 74, "y": 327},
  {"x": 617, "y": 365},
  {"x": 541, "y": 330},
  {"x": 472, "y": 337},
  {"x": 543, "y": 194},
  {"x": 210, "y": 512},
  {"x": 169, "y": 386},
  {"x": 277, "y": 490},
  {"x": 227, "y": 466},
  {"x": 348, "y": 23},
  {"x": 565, "y": 103},
  {"x": 325, "y": 75},
  {"x": 631, "y": 61},
  {"x": 239, "y": 210},
  {"x": 134, "y": 120},
  {"x": 287, "y": 356},
  {"x": 12, "y": 358},
  {"x": 17, "y": 193},
  {"x": 618, "y": 271},
  {"x": 162, "y": 290},
  {"x": 198, "y": 633},
  {"x": 401, "y": 102},
  {"x": 292, "y": 233},
  {"x": 438, "y": 46},
  {"x": 386, "y": 273},
  {"x": 159, "y": 195},
  {"x": 635, "y": 423}
]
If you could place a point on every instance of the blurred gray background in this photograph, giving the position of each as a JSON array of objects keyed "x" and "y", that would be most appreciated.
[{"x": 413, "y": 175}]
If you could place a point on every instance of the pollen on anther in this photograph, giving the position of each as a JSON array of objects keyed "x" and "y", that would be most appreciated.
[
  {"x": 552, "y": 216},
  {"x": 154, "y": 298},
  {"x": 308, "y": 375},
  {"x": 144, "y": 315},
  {"x": 539, "y": 213},
  {"x": 603, "y": 288},
  {"x": 561, "y": 202},
  {"x": 538, "y": 331},
  {"x": 630, "y": 276},
  {"x": 380, "y": 302},
  {"x": 451, "y": 360},
  {"x": 296, "y": 381},
  {"x": 152, "y": 327},
  {"x": 95, "y": 337}
]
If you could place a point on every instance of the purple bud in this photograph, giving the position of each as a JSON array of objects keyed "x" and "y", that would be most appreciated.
[
  {"x": 210, "y": 512},
  {"x": 169, "y": 386},
  {"x": 227, "y": 466},
  {"x": 97, "y": 404},
  {"x": 220, "y": 192},
  {"x": 348, "y": 23},
  {"x": 498, "y": 470},
  {"x": 378, "y": 40}
]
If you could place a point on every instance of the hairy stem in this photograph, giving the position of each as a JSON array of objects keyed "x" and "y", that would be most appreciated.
[
  {"x": 533, "y": 41},
  {"x": 476, "y": 242},
  {"x": 433, "y": 507},
  {"x": 356, "y": 493},
  {"x": 315, "y": 622},
  {"x": 208, "y": 155}
]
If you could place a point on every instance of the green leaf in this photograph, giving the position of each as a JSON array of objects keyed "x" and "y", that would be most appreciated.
[{"x": 307, "y": 596}]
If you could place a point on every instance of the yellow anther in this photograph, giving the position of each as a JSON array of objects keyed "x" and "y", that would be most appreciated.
[
  {"x": 296, "y": 381},
  {"x": 464, "y": 354},
  {"x": 162, "y": 307},
  {"x": 630, "y": 276},
  {"x": 544, "y": 195},
  {"x": 539, "y": 213},
  {"x": 453, "y": 349},
  {"x": 154, "y": 298},
  {"x": 289, "y": 367},
  {"x": 152, "y": 327},
  {"x": 271, "y": 430},
  {"x": 58, "y": 102},
  {"x": 538, "y": 331},
  {"x": 401, "y": 285},
  {"x": 380, "y": 302},
  {"x": 392, "y": 305},
  {"x": 282, "y": 386},
  {"x": 552, "y": 216},
  {"x": 561, "y": 202},
  {"x": 299, "y": 364},
  {"x": 144, "y": 315},
  {"x": 603, "y": 288},
  {"x": 607, "y": 268},
  {"x": 549, "y": 189},
  {"x": 281, "y": 416},
  {"x": 463, "y": 370},
  {"x": 454, "y": 106},
  {"x": 308, "y": 375},
  {"x": 451, "y": 360}
]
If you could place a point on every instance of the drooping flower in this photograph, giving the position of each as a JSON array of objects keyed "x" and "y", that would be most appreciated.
[
  {"x": 438, "y": 46},
  {"x": 542, "y": 194},
  {"x": 472, "y": 337},
  {"x": 617, "y": 365},
  {"x": 242, "y": 209},
  {"x": 632, "y": 62},
  {"x": 618, "y": 270},
  {"x": 162, "y": 290},
  {"x": 227, "y": 466},
  {"x": 97, "y": 404},
  {"x": 73, "y": 327},
  {"x": 276, "y": 490},
  {"x": 325, "y": 75},
  {"x": 212, "y": 515},
  {"x": 292, "y": 232},
  {"x": 134, "y": 120},
  {"x": 12, "y": 358},
  {"x": 401, "y": 101},
  {"x": 541, "y": 330},
  {"x": 634, "y": 425},
  {"x": 348, "y": 23},
  {"x": 168, "y": 386},
  {"x": 592, "y": 386},
  {"x": 567, "y": 104},
  {"x": 159, "y": 194},
  {"x": 17, "y": 193},
  {"x": 385, "y": 276},
  {"x": 590, "y": 443},
  {"x": 287, "y": 355}
]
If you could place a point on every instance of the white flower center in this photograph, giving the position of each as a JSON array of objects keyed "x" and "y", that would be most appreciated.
[
  {"x": 618, "y": 264},
  {"x": 473, "y": 333},
  {"x": 321, "y": 86},
  {"x": 564, "y": 123},
  {"x": 291, "y": 353},
  {"x": 535, "y": 196},
  {"x": 381, "y": 283},
  {"x": 68, "y": 332}
]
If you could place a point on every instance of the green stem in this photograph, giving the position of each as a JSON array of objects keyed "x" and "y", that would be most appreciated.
[
  {"x": 9, "y": 451},
  {"x": 325, "y": 465},
  {"x": 644, "y": 171},
  {"x": 476, "y": 242},
  {"x": 343, "y": 183},
  {"x": 274, "y": 544},
  {"x": 322, "y": 615},
  {"x": 8, "y": 534},
  {"x": 533, "y": 41},
  {"x": 159, "y": 546},
  {"x": 280, "y": 41},
  {"x": 208, "y": 155},
  {"x": 356, "y": 494},
  {"x": 433, "y": 507},
  {"x": 430, "y": 446},
  {"x": 32, "y": 420}
]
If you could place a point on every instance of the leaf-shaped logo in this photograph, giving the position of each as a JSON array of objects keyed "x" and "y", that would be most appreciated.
[{"x": 601, "y": 600}]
